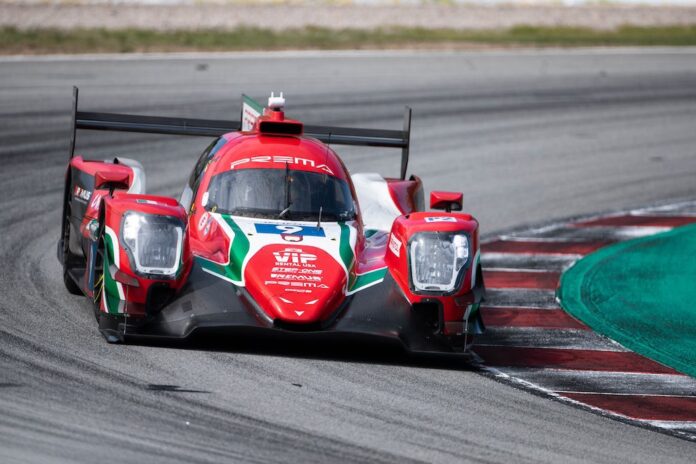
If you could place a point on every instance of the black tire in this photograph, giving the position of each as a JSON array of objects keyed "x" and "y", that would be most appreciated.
[
  {"x": 108, "y": 323},
  {"x": 99, "y": 276},
  {"x": 68, "y": 281},
  {"x": 70, "y": 284}
]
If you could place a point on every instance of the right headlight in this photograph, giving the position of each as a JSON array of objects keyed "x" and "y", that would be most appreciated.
[
  {"x": 436, "y": 259},
  {"x": 153, "y": 243}
]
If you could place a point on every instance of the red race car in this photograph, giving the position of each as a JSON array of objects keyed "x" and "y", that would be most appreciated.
[{"x": 271, "y": 233}]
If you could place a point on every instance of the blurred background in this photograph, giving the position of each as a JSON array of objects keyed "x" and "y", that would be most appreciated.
[{"x": 40, "y": 26}]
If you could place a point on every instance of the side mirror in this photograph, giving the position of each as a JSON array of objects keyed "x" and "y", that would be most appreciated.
[
  {"x": 449, "y": 201},
  {"x": 111, "y": 180}
]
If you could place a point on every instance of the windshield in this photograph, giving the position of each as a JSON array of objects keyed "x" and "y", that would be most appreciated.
[{"x": 281, "y": 193}]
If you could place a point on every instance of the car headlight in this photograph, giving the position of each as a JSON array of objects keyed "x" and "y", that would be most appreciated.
[
  {"x": 153, "y": 242},
  {"x": 436, "y": 259}
]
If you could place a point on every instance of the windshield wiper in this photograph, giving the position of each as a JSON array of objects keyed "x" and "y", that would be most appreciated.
[{"x": 288, "y": 200}]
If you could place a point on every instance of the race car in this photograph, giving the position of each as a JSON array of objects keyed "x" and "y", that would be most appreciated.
[{"x": 271, "y": 233}]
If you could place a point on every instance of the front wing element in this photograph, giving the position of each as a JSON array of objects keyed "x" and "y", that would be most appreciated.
[{"x": 210, "y": 303}]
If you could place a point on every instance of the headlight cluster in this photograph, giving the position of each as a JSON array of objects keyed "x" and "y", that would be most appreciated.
[
  {"x": 153, "y": 243},
  {"x": 436, "y": 259}
]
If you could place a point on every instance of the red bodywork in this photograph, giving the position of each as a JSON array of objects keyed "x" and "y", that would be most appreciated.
[
  {"x": 276, "y": 143},
  {"x": 136, "y": 286},
  {"x": 454, "y": 305}
]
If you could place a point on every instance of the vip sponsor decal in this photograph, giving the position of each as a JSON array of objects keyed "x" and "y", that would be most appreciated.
[
  {"x": 281, "y": 160},
  {"x": 395, "y": 245},
  {"x": 82, "y": 194},
  {"x": 297, "y": 273},
  {"x": 441, "y": 219},
  {"x": 286, "y": 231},
  {"x": 294, "y": 257}
]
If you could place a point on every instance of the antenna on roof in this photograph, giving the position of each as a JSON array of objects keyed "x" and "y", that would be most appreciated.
[{"x": 276, "y": 103}]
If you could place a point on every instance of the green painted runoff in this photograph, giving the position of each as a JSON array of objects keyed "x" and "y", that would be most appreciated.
[{"x": 641, "y": 293}]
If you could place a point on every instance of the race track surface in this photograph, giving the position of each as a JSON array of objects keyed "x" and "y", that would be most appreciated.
[{"x": 528, "y": 136}]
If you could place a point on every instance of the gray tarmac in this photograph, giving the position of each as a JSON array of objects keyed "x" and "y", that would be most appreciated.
[{"x": 529, "y": 136}]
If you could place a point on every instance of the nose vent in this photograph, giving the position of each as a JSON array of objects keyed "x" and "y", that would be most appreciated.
[{"x": 298, "y": 327}]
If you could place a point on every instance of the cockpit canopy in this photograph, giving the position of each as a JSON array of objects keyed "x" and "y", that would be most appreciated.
[{"x": 281, "y": 194}]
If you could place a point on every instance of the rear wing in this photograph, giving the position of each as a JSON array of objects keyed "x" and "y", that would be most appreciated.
[{"x": 215, "y": 128}]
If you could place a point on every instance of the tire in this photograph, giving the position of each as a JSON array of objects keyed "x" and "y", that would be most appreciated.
[
  {"x": 99, "y": 287},
  {"x": 69, "y": 283},
  {"x": 108, "y": 323}
]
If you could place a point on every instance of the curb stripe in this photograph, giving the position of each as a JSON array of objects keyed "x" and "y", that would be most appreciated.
[
  {"x": 588, "y": 360},
  {"x": 520, "y": 297},
  {"x": 527, "y": 261},
  {"x": 533, "y": 337},
  {"x": 618, "y": 383},
  {"x": 545, "y": 280},
  {"x": 543, "y": 247},
  {"x": 573, "y": 233},
  {"x": 532, "y": 341},
  {"x": 631, "y": 220},
  {"x": 529, "y": 317},
  {"x": 642, "y": 407}
]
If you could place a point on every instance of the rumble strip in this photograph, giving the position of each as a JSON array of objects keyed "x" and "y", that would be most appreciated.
[{"x": 532, "y": 343}]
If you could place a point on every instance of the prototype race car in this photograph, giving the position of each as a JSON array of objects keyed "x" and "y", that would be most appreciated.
[{"x": 271, "y": 233}]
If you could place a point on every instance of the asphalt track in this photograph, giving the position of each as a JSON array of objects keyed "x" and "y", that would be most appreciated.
[{"x": 528, "y": 136}]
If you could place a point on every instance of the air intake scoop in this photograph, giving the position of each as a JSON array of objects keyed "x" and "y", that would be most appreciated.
[
  {"x": 273, "y": 122},
  {"x": 283, "y": 127}
]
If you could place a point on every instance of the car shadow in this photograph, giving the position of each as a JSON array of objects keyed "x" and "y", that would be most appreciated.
[{"x": 328, "y": 347}]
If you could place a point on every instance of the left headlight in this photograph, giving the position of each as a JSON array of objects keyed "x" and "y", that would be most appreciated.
[
  {"x": 436, "y": 259},
  {"x": 153, "y": 243}
]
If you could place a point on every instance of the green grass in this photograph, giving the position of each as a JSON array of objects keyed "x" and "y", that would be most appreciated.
[
  {"x": 13, "y": 40},
  {"x": 640, "y": 293}
]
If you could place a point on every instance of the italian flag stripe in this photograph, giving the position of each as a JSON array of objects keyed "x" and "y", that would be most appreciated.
[
  {"x": 112, "y": 298},
  {"x": 239, "y": 248}
]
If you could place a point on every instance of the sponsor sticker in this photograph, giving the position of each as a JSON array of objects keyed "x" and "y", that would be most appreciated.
[
  {"x": 296, "y": 277},
  {"x": 204, "y": 224},
  {"x": 285, "y": 283},
  {"x": 82, "y": 194},
  {"x": 286, "y": 231},
  {"x": 395, "y": 245},
  {"x": 94, "y": 204},
  {"x": 441, "y": 219},
  {"x": 251, "y": 110},
  {"x": 282, "y": 160},
  {"x": 295, "y": 270}
]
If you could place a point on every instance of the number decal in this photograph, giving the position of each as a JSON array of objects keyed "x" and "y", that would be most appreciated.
[{"x": 288, "y": 229}]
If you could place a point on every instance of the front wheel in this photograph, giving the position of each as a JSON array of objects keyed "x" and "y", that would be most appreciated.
[
  {"x": 68, "y": 281},
  {"x": 70, "y": 284},
  {"x": 109, "y": 324}
]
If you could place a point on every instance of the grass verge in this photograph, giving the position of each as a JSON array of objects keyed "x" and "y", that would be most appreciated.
[{"x": 13, "y": 40}]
